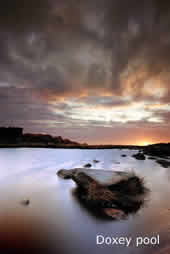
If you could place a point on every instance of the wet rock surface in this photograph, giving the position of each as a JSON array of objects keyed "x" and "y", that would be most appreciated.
[
  {"x": 158, "y": 150},
  {"x": 88, "y": 165},
  {"x": 139, "y": 156},
  {"x": 119, "y": 193},
  {"x": 164, "y": 163},
  {"x": 105, "y": 177},
  {"x": 25, "y": 202},
  {"x": 151, "y": 158},
  {"x": 96, "y": 161}
]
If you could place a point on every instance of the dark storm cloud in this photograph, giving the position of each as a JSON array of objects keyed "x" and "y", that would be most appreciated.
[
  {"x": 19, "y": 15},
  {"x": 75, "y": 45},
  {"x": 58, "y": 57},
  {"x": 20, "y": 107}
]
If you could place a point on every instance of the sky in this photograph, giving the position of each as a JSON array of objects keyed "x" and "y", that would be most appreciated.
[{"x": 95, "y": 71}]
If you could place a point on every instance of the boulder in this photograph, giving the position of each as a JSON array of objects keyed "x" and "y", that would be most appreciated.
[
  {"x": 96, "y": 161},
  {"x": 25, "y": 202},
  {"x": 164, "y": 163},
  {"x": 88, "y": 165},
  {"x": 151, "y": 158},
  {"x": 159, "y": 150},
  {"x": 139, "y": 156},
  {"x": 114, "y": 194},
  {"x": 66, "y": 174},
  {"x": 105, "y": 177}
]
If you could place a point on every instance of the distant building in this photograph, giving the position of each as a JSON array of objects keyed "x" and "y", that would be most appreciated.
[{"x": 10, "y": 134}]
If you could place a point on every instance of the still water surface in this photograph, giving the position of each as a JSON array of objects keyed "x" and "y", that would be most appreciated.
[{"x": 54, "y": 216}]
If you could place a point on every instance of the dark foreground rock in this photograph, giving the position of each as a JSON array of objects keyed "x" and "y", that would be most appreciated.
[
  {"x": 164, "y": 163},
  {"x": 115, "y": 194},
  {"x": 139, "y": 156},
  {"x": 158, "y": 150}
]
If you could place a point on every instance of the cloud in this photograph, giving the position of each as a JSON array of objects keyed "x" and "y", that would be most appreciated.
[
  {"x": 87, "y": 63},
  {"x": 54, "y": 45},
  {"x": 19, "y": 16}
]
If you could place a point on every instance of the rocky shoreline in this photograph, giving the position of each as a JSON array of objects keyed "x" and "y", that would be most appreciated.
[
  {"x": 13, "y": 137},
  {"x": 69, "y": 145},
  {"x": 158, "y": 152}
]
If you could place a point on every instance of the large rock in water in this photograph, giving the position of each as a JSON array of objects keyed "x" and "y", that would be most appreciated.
[
  {"x": 115, "y": 194},
  {"x": 103, "y": 176},
  {"x": 164, "y": 163},
  {"x": 139, "y": 156}
]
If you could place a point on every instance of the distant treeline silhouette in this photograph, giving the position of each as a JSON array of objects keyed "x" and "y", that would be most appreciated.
[
  {"x": 15, "y": 135},
  {"x": 11, "y": 134}
]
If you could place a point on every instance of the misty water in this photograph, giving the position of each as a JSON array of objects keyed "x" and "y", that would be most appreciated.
[{"x": 54, "y": 216}]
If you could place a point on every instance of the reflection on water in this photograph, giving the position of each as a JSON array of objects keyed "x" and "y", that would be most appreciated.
[{"x": 54, "y": 222}]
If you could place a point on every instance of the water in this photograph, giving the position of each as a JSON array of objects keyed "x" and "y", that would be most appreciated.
[{"x": 55, "y": 221}]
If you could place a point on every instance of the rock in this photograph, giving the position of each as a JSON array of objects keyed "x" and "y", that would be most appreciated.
[
  {"x": 139, "y": 156},
  {"x": 123, "y": 195},
  {"x": 25, "y": 202},
  {"x": 131, "y": 185},
  {"x": 105, "y": 177},
  {"x": 88, "y": 165},
  {"x": 115, "y": 198},
  {"x": 151, "y": 158},
  {"x": 164, "y": 163},
  {"x": 159, "y": 150},
  {"x": 65, "y": 174},
  {"x": 115, "y": 213},
  {"x": 96, "y": 161},
  {"x": 124, "y": 155}
]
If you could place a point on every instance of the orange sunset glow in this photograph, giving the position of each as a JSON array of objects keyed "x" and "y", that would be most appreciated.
[{"x": 92, "y": 72}]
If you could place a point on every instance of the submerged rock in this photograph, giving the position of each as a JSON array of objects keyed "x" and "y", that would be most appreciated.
[
  {"x": 118, "y": 194},
  {"x": 139, "y": 156},
  {"x": 66, "y": 174},
  {"x": 124, "y": 155},
  {"x": 25, "y": 202},
  {"x": 88, "y": 165},
  {"x": 96, "y": 161},
  {"x": 151, "y": 158},
  {"x": 164, "y": 163},
  {"x": 159, "y": 150},
  {"x": 105, "y": 177}
]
